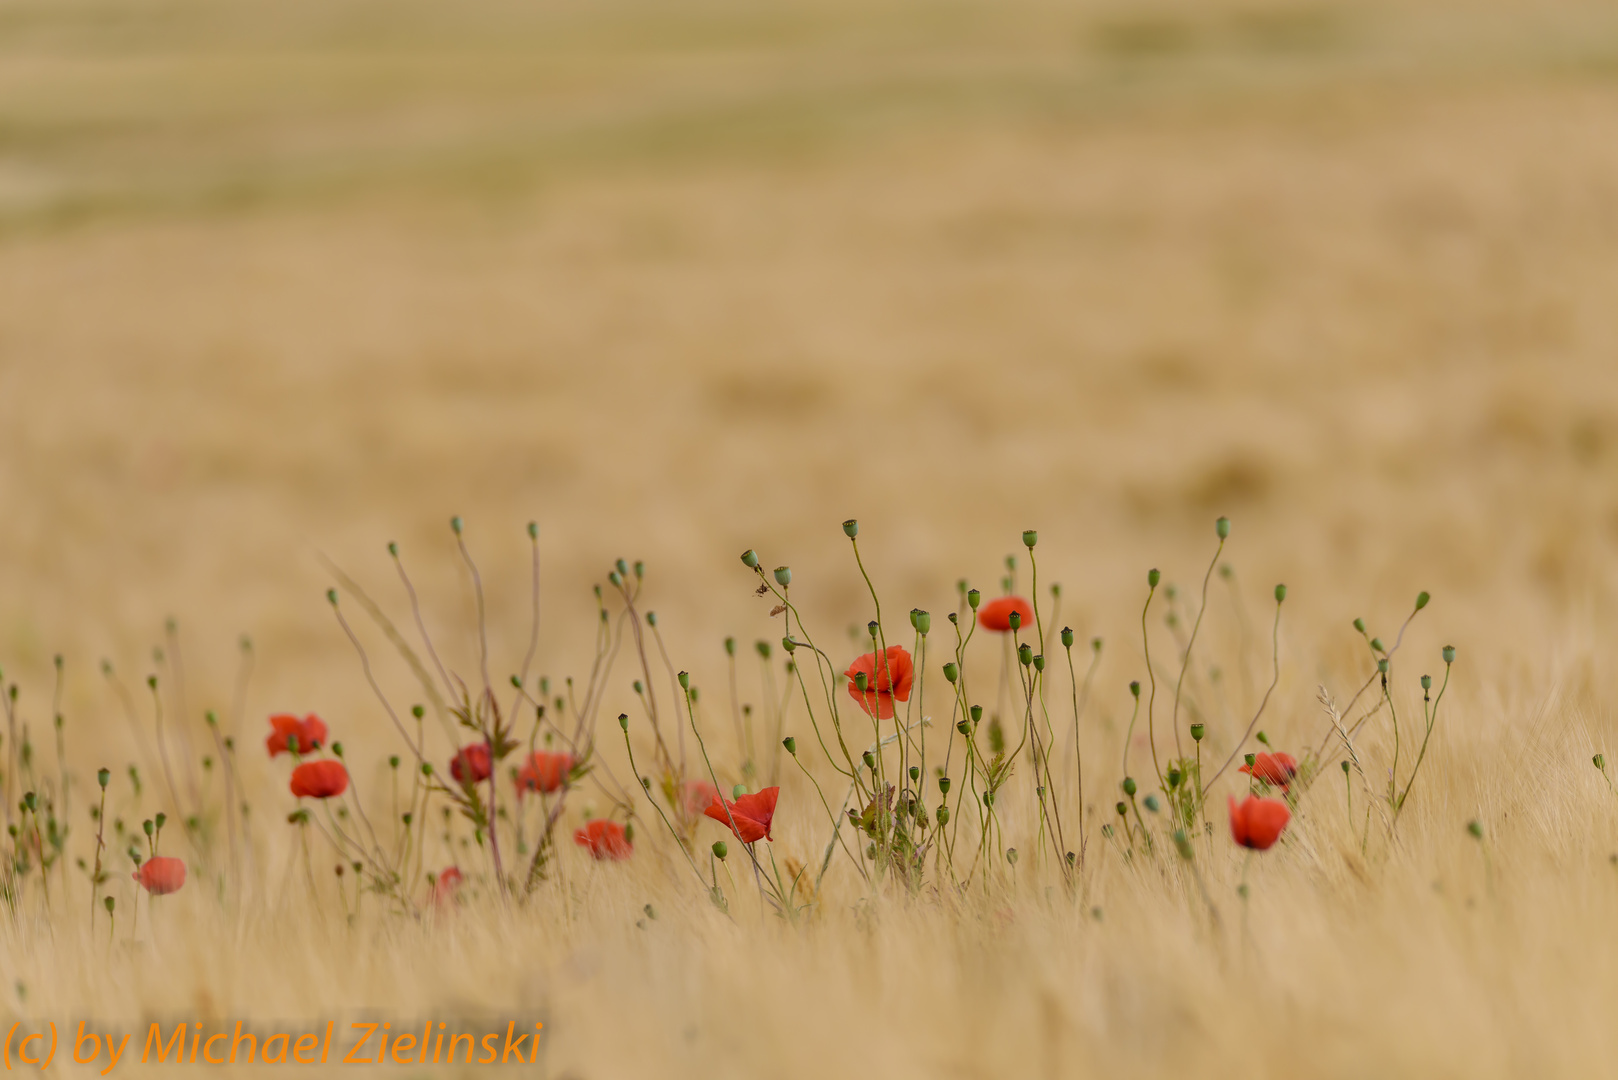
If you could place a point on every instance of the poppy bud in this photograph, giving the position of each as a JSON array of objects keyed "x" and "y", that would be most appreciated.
[
  {"x": 1249, "y": 759},
  {"x": 1475, "y": 827},
  {"x": 988, "y": 798},
  {"x": 1056, "y": 590},
  {"x": 1449, "y": 654},
  {"x": 851, "y": 528},
  {"x": 1197, "y": 731},
  {"x": 109, "y": 903},
  {"x": 1152, "y": 578},
  {"x": 393, "y": 549},
  {"x": 455, "y": 523},
  {"x": 730, "y": 646},
  {"x": 954, "y": 620},
  {"x": 788, "y": 644},
  {"x": 860, "y": 681},
  {"x": 1067, "y": 637},
  {"x": 869, "y": 759},
  {"x": 951, "y": 672},
  {"x": 1134, "y": 688},
  {"x": 783, "y": 576},
  {"x": 1280, "y": 593},
  {"x": 533, "y": 530},
  {"x": 1039, "y": 662},
  {"x": 943, "y": 785},
  {"x": 1600, "y": 762},
  {"x": 614, "y": 579},
  {"x": 426, "y": 768},
  {"x": 1263, "y": 738},
  {"x": 1174, "y": 778},
  {"x": 331, "y": 597},
  {"x": 872, "y": 628},
  {"x": 963, "y": 728},
  {"x": 924, "y": 622},
  {"x": 1025, "y": 654},
  {"x": 693, "y": 694},
  {"x": 738, "y": 791},
  {"x": 337, "y": 749},
  {"x": 1011, "y": 856},
  {"x": 640, "y": 569},
  {"x": 685, "y": 680},
  {"x": 973, "y": 599},
  {"x": 1359, "y": 625},
  {"x": 623, "y": 721},
  {"x": 1421, "y": 600},
  {"x": 1426, "y": 682},
  {"x": 1382, "y": 665},
  {"x": 763, "y": 648},
  {"x": 1095, "y": 645},
  {"x": 1130, "y": 787},
  {"x": 146, "y": 826},
  {"x": 1376, "y": 643},
  {"x": 750, "y": 559},
  {"x": 1151, "y": 803},
  {"x": 943, "y": 815},
  {"x": 977, "y": 713},
  {"x": 1029, "y": 538},
  {"x": 1222, "y": 527},
  {"x": 1345, "y": 767},
  {"x": 720, "y": 850},
  {"x": 791, "y": 744},
  {"x": 102, "y": 776},
  {"x": 1122, "y": 808},
  {"x": 1014, "y": 619}
]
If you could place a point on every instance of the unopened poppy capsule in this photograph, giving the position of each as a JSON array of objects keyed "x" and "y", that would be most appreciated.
[
  {"x": 1280, "y": 593},
  {"x": 1600, "y": 762},
  {"x": 1122, "y": 808},
  {"x": 1382, "y": 665},
  {"x": 1182, "y": 844},
  {"x": 851, "y": 528},
  {"x": 1130, "y": 787},
  {"x": 788, "y": 644},
  {"x": 1067, "y": 637},
  {"x": 924, "y": 622},
  {"x": 1449, "y": 654},
  {"x": 973, "y": 599},
  {"x": 1011, "y": 856},
  {"x": 1422, "y": 599},
  {"x": 1152, "y": 578},
  {"x": 1197, "y": 731},
  {"x": 943, "y": 815},
  {"x": 1426, "y": 682},
  {"x": 750, "y": 559},
  {"x": 783, "y": 576},
  {"x": 873, "y": 628},
  {"x": 1134, "y": 688},
  {"x": 1222, "y": 527},
  {"x": 102, "y": 776},
  {"x": 977, "y": 713},
  {"x": 1014, "y": 620},
  {"x": 730, "y": 646},
  {"x": 1025, "y": 654},
  {"x": 1359, "y": 625},
  {"x": 1030, "y": 538},
  {"x": 1150, "y": 802},
  {"x": 869, "y": 759},
  {"x": 1039, "y": 663},
  {"x": 964, "y": 728},
  {"x": 1376, "y": 643},
  {"x": 943, "y": 785},
  {"x": 623, "y": 721},
  {"x": 720, "y": 850},
  {"x": 951, "y": 672},
  {"x": 791, "y": 744}
]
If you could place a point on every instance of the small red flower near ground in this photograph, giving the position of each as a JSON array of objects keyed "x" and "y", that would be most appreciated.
[
  {"x": 605, "y": 839},
  {"x": 290, "y": 733},
  {"x": 470, "y": 765},
  {"x": 1277, "y": 770},
  {"x": 161, "y": 875},
  {"x": 698, "y": 794},
  {"x": 319, "y": 779},
  {"x": 888, "y": 676},
  {"x": 752, "y": 813},
  {"x": 446, "y": 885},
  {"x": 543, "y": 771},
  {"x": 996, "y": 614},
  {"x": 1257, "y": 823}
]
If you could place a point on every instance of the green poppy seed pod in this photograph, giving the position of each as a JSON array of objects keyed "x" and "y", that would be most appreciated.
[
  {"x": 988, "y": 798},
  {"x": 1014, "y": 620},
  {"x": 1376, "y": 643},
  {"x": 426, "y": 768},
  {"x": 1249, "y": 759},
  {"x": 102, "y": 777},
  {"x": 1029, "y": 539},
  {"x": 924, "y": 622},
  {"x": 943, "y": 785},
  {"x": 915, "y": 774},
  {"x": 1600, "y": 762},
  {"x": 623, "y": 721},
  {"x": 913, "y": 612},
  {"x": 1011, "y": 856},
  {"x": 851, "y": 528},
  {"x": 738, "y": 791},
  {"x": 622, "y": 567},
  {"x": 1171, "y": 592},
  {"x": 791, "y": 744},
  {"x": 455, "y": 523},
  {"x": 533, "y": 530},
  {"x": 146, "y": 826},
  {"x": 720, "y": 850},
  {"x": 1426, "y": 682},
  {"x": 1152, "y": 578},
  {"x": 1475, "y": 827},
  {"x": 1449, "y": 654},
  {"x": 417, "y": 711},
  {"x": 640, "y": 569},
  {"x": 1039, "y": 662},
  {"x": 788, "y": 644},
  {"x": 869, "y": 759},
  {"x": 954, "y": 620},
  {"x": 393, "y": 549},
  {"x": 1359, "y": 625},
  {"x": 1182, "y": 842},
  {"x": 1134, "y": 688},
  {"x": 1382, "y": 665},
  {"x": 1151, "y": 803},
  {"x": 1174, "y": 778},
  {"x": 1122, "y": 808},
  {"x": 110, "y": 904},
  {"x": 516, "y": 683},
  {"x": 1025, "y": 654},
  {"x": 943, "y": 815},
  {"x": 963, "y": 728},
  {"x": 750, "y": 559},
  {"x": 783, "y": 576},
  {"x": 393, "y": 761},
  {"x": 763, "y": 648},
  {"x": 30, "y": 801},
  {"x": 873, "y": 629},
  {"x": 1197, "y": 731},
  {"x": 1222, "y": 527},
  {"x": 685, "y": 680},
  {"x": 651, "y": 618},
  {"x": 1422, "y": 599},
  {"x": 977, "y": 713},
  {"x": 973, "y": 599},
  {"x": 1263, "y": 738},
  {"x": 614, "y": 579},
  {"x": 1095, "y": 645},
  {"x": 693, "y": 694},
  {"x": 337, "y": 749},
  {"x": 860, "y": 681},
  {"x": 1067, "y": 637},
  {"x": 730, "y": 646},
  {"x": 1130, "y": 787},
  {"x": 1011, "y": 562},
  {"x": 951, "y": 672},
  {"x": 151, "y": 682},
  {"x": 1280, "y": 593},
  {"x": 331, "y": 597}
]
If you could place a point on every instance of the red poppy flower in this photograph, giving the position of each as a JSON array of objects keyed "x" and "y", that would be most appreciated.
[
  {"x": 996, "y": 614},
  {"x": 160, "y": 875},
  {"x": 887, "y": 679},
  {"x": 698, "y": 794},
  {"x": 319, "y": 779},
  {"x": 470, "y": 765},
  {"x": 605, "y": 839},
  {"x": 290, "y": 733},
  {"x": 752, "y": 813},
  {"x": 446, "y": 885},
  {"x": 543, "y": 771},
  {"x": 1257, "y": 823},
  {"x": 1277, "y": 770}
]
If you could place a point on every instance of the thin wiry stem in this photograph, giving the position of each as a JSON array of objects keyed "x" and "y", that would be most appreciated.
[{"x": 1275, "y": 655}]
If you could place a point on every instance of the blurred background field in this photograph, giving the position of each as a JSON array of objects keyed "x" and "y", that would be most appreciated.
[{"x": 675, "y": 280}]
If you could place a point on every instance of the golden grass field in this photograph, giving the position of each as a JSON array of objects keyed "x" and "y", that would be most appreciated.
[{"x": 287, "y": 281}]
